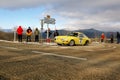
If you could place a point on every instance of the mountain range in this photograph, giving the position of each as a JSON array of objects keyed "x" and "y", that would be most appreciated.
[{"x": 91, "y": 33}]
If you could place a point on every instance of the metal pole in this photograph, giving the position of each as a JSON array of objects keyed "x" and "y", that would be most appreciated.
[
  {"x": 47, "y": 31},
  {"x": 41, "y": 35},
  {"x": 41, "y": 29},
  {"x": 14, "y": 34}
]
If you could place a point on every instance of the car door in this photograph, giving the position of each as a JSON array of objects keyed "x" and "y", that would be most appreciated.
[{"x": 82, "y": 38}]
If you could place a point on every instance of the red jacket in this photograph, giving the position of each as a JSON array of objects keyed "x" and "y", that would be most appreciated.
[
  {"x": 19, "y": 30},
  {"x": 102, "y": 36}
]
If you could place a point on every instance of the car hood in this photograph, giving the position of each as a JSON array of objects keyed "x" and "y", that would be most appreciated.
[{"x": 64, "y": 37}]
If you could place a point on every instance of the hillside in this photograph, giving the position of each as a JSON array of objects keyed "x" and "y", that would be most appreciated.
[
  {"x": 91, "y": 33},
  {"x": 6, "y": 35}
]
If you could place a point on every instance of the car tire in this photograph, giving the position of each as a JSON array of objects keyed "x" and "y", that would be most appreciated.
[
  {"x": 72, "y": 43},
  {"x": 86, "y": 43},
  {"x": 59, "y": 44}
]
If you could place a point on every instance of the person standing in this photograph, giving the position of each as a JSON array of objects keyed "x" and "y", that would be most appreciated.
[
  {"x": 102, "y": 37},
  {"x": 19, "y": 32},
  {"x": 48, "y": 32},
  {"x": 36, "y": 32},
  {"x": 112, "y": 38},
  {"x": 29, "y": 33},
  {"x": 118, "y": 37},
  {"x": 56, "y": 33}
]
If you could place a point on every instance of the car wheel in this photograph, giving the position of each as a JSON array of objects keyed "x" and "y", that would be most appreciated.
[
  {"x": 59, "y": 44},
  {"x": 72, "y": 43},
  {"x": 86, "y": 43}
]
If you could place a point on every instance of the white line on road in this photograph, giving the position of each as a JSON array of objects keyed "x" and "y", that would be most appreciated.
[{"x": 44, "y": 53}]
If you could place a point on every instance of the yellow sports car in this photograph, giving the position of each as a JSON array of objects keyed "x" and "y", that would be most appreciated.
[{"x": 73, "y": 38}]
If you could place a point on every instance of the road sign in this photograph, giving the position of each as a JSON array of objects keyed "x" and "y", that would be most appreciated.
[{"x": 49, "y": 20}]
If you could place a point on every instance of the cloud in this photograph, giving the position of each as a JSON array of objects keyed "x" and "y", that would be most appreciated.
[
  {"x": 76, "y": 13},
  {"x": 18, "y": 4},
  {"x": 92, "y": 14}
]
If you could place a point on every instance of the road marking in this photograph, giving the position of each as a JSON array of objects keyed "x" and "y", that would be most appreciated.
[{"x": 72, "y": 57}]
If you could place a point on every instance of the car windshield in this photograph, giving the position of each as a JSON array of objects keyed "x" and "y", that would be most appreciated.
[{"x": 73, "y": 34}]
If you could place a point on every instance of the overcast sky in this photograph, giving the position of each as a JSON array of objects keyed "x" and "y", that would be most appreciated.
[{"x": 69, "y": 14}]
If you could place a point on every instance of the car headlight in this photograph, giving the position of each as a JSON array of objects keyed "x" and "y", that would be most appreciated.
[{"x": 55, "y": 38}]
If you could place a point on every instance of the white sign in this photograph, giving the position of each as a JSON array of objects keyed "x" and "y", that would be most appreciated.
[{"x": 49, "y": 20}]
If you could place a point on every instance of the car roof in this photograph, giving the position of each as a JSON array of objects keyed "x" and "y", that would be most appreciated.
[{"x": 78, "y": 32}]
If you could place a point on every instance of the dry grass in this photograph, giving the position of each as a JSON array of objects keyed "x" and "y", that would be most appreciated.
[
  {"x": 103, "y": 62},
  {"x": 6, "y": 36}
]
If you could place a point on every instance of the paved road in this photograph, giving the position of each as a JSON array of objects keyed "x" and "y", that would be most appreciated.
[{"x": 20, "y": 61}]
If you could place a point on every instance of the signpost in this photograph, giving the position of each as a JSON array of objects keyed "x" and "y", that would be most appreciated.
[
  {"x": 41, "y": 29},
  {"x": 48, "y": 20}
]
